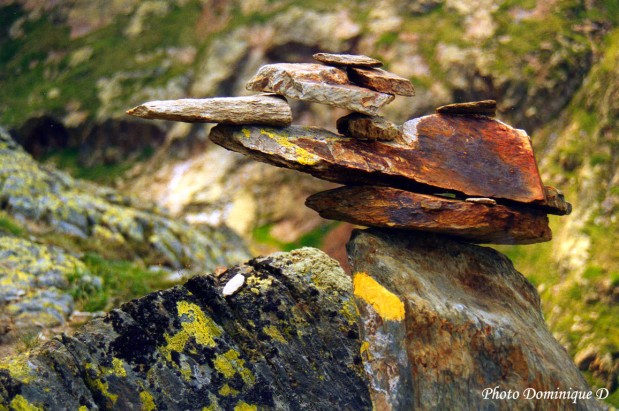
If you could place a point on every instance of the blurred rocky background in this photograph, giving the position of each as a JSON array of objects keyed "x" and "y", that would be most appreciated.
[{"x": 138, "y": 205}]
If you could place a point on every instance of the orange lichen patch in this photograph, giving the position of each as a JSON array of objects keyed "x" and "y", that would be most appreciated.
[{"x": 386, "y": 303}]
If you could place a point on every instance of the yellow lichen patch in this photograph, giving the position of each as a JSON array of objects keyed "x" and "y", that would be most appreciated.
[
  {"x": 243, "y": 406},
  {"x": 118, "y": 367},
  {"x": 365, "y": 350},
  {"x": 302, "y": 155},
  {"x": 19, "y": 403},
  {"x": 19, "y": 369},
  {"x": 229, "y": 364},
  {"x": 386, "y": 303},
  {"x": 274, "y": 333},
  {"x": 82, "y": 408},
  {"x": 104, "y": 388},
  {"x": 227, "y": 391},
  {"x": 148, "y": 402},
  {"x": 195, "y": 324},
  {"x": 246, "y": 133},
  {"x": 349, "y": 311}
]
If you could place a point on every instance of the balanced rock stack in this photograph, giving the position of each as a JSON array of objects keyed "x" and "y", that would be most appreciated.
[{"x": 458, "y": 172}]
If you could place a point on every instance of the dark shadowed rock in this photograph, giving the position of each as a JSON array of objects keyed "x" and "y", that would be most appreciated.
[
  {"x": 381, "y": 80},
  {"x": 484, "y": 108},
  {"x": 477, "y": 156},
  {"x": 392, "y": 208},
  {"x": 444, "y": 320},
  {"x": 286, "y": 340},
  {"x": 347, "y": 60},
  {"x": 318, "y": 84},
  {"x": 263, "y": 109},
  {"x": 368, "y": 127},
  {"x": 556, "y": 200}
]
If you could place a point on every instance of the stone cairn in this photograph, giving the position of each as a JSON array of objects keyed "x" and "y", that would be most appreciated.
[{"x": 459, "y": 172}]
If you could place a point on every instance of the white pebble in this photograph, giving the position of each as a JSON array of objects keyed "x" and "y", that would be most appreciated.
[{"x": 233, "y": 285}]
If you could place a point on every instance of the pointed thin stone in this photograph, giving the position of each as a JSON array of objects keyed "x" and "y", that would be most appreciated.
[
  {"x": 382, "y": 81},
  {"x": 483, "y": 107},
  {"x": 323, "y": 85},
  {"x": 261, "y": 110},
  {"x": 347, "y": 60},
  {"x": 374, "y": 206},
  {"x": 368, "y": 127},
  {"x": 475, "y": 156}
]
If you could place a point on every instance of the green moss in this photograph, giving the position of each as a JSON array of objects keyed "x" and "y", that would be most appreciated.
[
  {"x": 314, "y": 238},
  {"x": 122, "y": 281},
  {"x": 10, "y": 226}
]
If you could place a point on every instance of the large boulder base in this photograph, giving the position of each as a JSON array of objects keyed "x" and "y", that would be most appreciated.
[
  {"x": 287, "y": 339},
  {"x": 444, "y": 320}
]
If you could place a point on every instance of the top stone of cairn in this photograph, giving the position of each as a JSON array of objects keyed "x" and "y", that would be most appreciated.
[{"x": 347, "y": 60}]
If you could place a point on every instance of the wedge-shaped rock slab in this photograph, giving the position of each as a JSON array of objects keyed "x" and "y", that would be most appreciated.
[
  {"x": 381, "y": 80},
  {"x": 477, "y": 156},
  {"x": 263, "y": 110},
  {"x": 387, "y": 207},
  {"x": 368, "y": 127},
  {"x": 318, "y": 84},
  {"x": 347, "y": 60},
  {"x": 556, "y": 201},
  {"x": 483, "y": 107}
]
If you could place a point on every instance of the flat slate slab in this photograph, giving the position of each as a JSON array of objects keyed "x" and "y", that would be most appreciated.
[
  {"x": 318, "y": 84},
  {"x": 387, "y": 207},
  {"x": 347, "y": 60},
  {"x": 475, "y": 156},
  {"x": 262, "y": 109},
  {"x": 483, "y": 107},
  {"x": 381, "y": 80},
  {"x": 368, "y": 127}
]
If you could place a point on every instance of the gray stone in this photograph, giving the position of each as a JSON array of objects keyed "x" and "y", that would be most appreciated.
[
  {"x": 262, "y": 109},
  {"x": 318, "y": 84},
  {"x": 368, "y": 127},
  {"x": 347, "y": 60}
]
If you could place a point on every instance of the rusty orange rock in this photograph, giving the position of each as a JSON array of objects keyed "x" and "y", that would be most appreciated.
[{"x": 387, "y": 207}]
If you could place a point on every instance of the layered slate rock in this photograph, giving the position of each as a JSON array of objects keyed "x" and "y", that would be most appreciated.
[
  {"x": 347, "y": 60},
  {"x": 392, "y": 208},
  {"x": 381, "y": 80},
  {"x": 476, "y": 156},
  {"x": 262, "y": 109},
  {"x": 319, "y": 84},
  {"x": 483, "y": 108},
  {"x": 368, "y": 127},
  {"x": 287, "y": 339},
  {"x": 444, "y": 320}
]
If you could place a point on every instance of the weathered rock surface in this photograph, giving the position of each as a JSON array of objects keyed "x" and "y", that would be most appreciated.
[
  {"x": 347, "y": 60},
  {"x": 287, "y": 340},
  {"x": 318, "y": 84},
  {"x": 477, "y": 156},
  {"x": 381, "y": 80},
  {"x": 556, "y": 200},
  {"x": 387, "y": 207},
  {"x": 443, "y": 320},
  {"x": 484, "y": 108},
  {"x": 368, "y": 127},
  {"x": 263, "y": 109}
]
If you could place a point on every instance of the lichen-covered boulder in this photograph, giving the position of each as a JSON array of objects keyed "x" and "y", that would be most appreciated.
[
  {"x": 287, "y": 339},
  {"x": 442, "y": 321}
]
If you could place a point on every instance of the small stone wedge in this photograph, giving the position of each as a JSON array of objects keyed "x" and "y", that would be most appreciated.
[
  {"x": 475, "y": 156},
  {"x": 322, "y": 85},
  {"x": 381, "y": 80},
  {"x": 387, "y": 207},
  {"x": 262, "y": 109},
  {"x": 347, "y": 60},
  {"x": 368, "y": 127},
  {"x": 483, "y": 107}
]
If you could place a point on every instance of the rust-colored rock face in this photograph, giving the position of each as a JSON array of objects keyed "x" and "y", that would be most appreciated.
[
  {"x": 381, "y": 80},
  {"x": 442, "y": 321},
  {"x": 368, "y": 127},
  {"x": 392, "y": 208},
  {"x": 483, "y": 107},
  {"x": 477, "y": 156}
]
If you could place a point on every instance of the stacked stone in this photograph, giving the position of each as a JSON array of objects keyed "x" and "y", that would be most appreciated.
[{"x": 458, "y": 172}]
